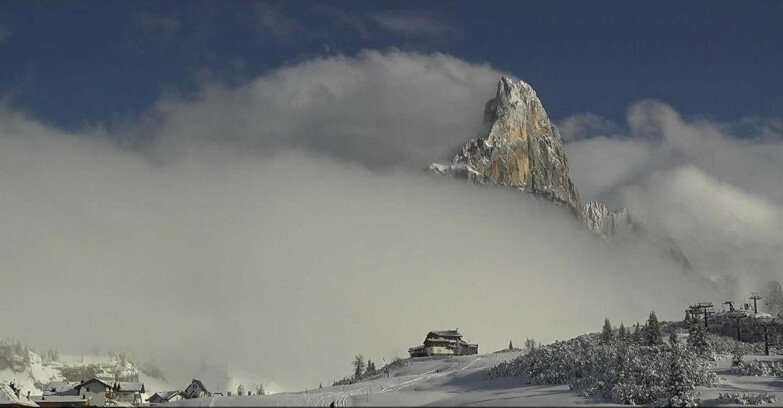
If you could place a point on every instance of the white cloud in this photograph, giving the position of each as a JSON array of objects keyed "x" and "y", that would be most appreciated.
[
  {"x": 413, "y": 23},
  {"x": 718, "y": 194},
  {"x": 378, "y": 109},
  {"x": 584, "y": 125},
  {"x": 251, "y": 230}
]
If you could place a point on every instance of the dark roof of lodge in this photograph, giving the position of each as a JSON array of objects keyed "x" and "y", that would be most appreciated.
[
  {"x": 446, "y": 333},
  {"x": 94, "y": 379},
  {"x": 201, "y": 384},
  {"x": 130, "y": 387}
]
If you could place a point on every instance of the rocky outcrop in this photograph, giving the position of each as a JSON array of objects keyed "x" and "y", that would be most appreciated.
[
  {"x": 522, "y": 148},
  {"x": 605, "y": 222}
]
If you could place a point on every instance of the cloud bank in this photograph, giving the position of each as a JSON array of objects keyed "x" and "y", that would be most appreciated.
[
  {"x": 285, "y": 225},
  {"x": 714, "y": 187}
]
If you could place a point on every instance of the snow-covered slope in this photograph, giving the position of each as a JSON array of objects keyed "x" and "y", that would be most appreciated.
[
  {"x": 460, "y": 381},
  {"x": 30, "y": 372},
  {"x": 449, "y": 381}
]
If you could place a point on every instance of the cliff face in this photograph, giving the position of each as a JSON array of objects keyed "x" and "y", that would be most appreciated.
[
  {"x": 522, "y": 148},
  {"x": 605, "y": 222}
]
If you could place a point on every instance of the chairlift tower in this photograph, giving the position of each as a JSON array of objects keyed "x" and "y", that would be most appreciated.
[
  {"x": 766, "y": 323},
  {"x": 755, "y": 296}
]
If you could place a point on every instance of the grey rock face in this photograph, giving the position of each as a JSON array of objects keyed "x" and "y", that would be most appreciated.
[
  {"x": 605, "y": 222},
  {"x": 522, "y": 148}
]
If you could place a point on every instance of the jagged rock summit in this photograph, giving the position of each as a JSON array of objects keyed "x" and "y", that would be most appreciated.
[{"x": 523, "y": 149}]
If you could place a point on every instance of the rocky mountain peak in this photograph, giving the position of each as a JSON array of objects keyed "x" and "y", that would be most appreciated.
[{"x": 521, "y": 149}]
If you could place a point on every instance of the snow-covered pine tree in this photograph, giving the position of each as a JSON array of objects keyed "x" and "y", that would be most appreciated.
[
  {"x": 370, "y": 367},
  {"x": 679, "y": 384},
  {"x": 653, "y": 334},
  {"x": 607, "y": 337},
  {"x": 260, "y": 389},
  {"x": 673, "y": 339},
  {"x": 241, "y": 390},
  {"x": 697, "y": 337},
  {"x": 736, "y": 356},
  {"x": 622, "y": 333},
  {"x": 358, "y": 366},
  {"x": 636, "y": 337}
]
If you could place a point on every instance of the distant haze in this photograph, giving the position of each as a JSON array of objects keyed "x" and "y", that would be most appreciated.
[{"x": 286, "y": 225}]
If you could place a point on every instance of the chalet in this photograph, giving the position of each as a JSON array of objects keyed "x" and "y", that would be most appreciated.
[
  {"x": 161, "y": 397},
  {"x": 128, "y": 392},
  {"x": 9, "y": 397},
  {"x": 196, "y": 389},
  {"x": 443, "y": 343},
  {"x": 93, "y": 386}
]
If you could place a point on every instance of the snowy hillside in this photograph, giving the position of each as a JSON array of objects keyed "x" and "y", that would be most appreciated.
[
  {"x": 427, "y": 381},
  {"x": 31, "y": 372}
]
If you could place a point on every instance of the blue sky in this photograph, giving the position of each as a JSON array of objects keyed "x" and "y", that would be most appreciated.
[{"x": 73, "y": 63}]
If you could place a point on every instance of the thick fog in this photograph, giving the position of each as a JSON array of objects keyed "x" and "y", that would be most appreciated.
[
  {"x": 283, "y": 226},
  {"x": 714, "y": 187}
]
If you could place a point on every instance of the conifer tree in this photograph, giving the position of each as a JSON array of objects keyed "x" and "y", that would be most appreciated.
[
  {"x": 697, "y": 337},
  {"x": 606, "y": 335},
  {"x": 358, "y": 366},
  {"x": 622, "y": 333},
  {"x": 653, "y": 334},
  {"x": 679, "y": 383},
  {"x": 636, "y": 337},
  {"x": 510, "y": 346},
  {"x": 673, "y": 339}
]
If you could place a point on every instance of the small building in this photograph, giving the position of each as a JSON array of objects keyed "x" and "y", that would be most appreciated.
[
  {"x": 93, "y": 386},
  {"x": 161, "y": 397},
  {"x": 128, "y": 392},
  {"x": 9, "y": 398},
  {"x": 196, "y": 389},
  {"x": 443, "y": 343}
]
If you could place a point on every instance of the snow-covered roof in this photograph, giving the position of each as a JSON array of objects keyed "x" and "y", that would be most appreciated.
[
  {"x": 61, "y": 399},
  {"x": 60, "y": 388},
  {"x": 165, "y": 395},
  {"x": 441, "y": 340},
  {"x": 8, "y": 397},
  {"x": 199, "y": 383},
  {"x": 130, "y": 387},
  {"x": 92, "y": 380}
]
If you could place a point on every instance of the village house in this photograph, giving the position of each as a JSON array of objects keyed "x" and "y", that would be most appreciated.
[
  {"x": 161, "y": 397},
  {"x": 128, "y": 392},
  {"x": 93, "y": 386},
  {"x": 196, "y": 389},
  {"x": 9, "y": 398},
  {"x": 443, "y": 343}
]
